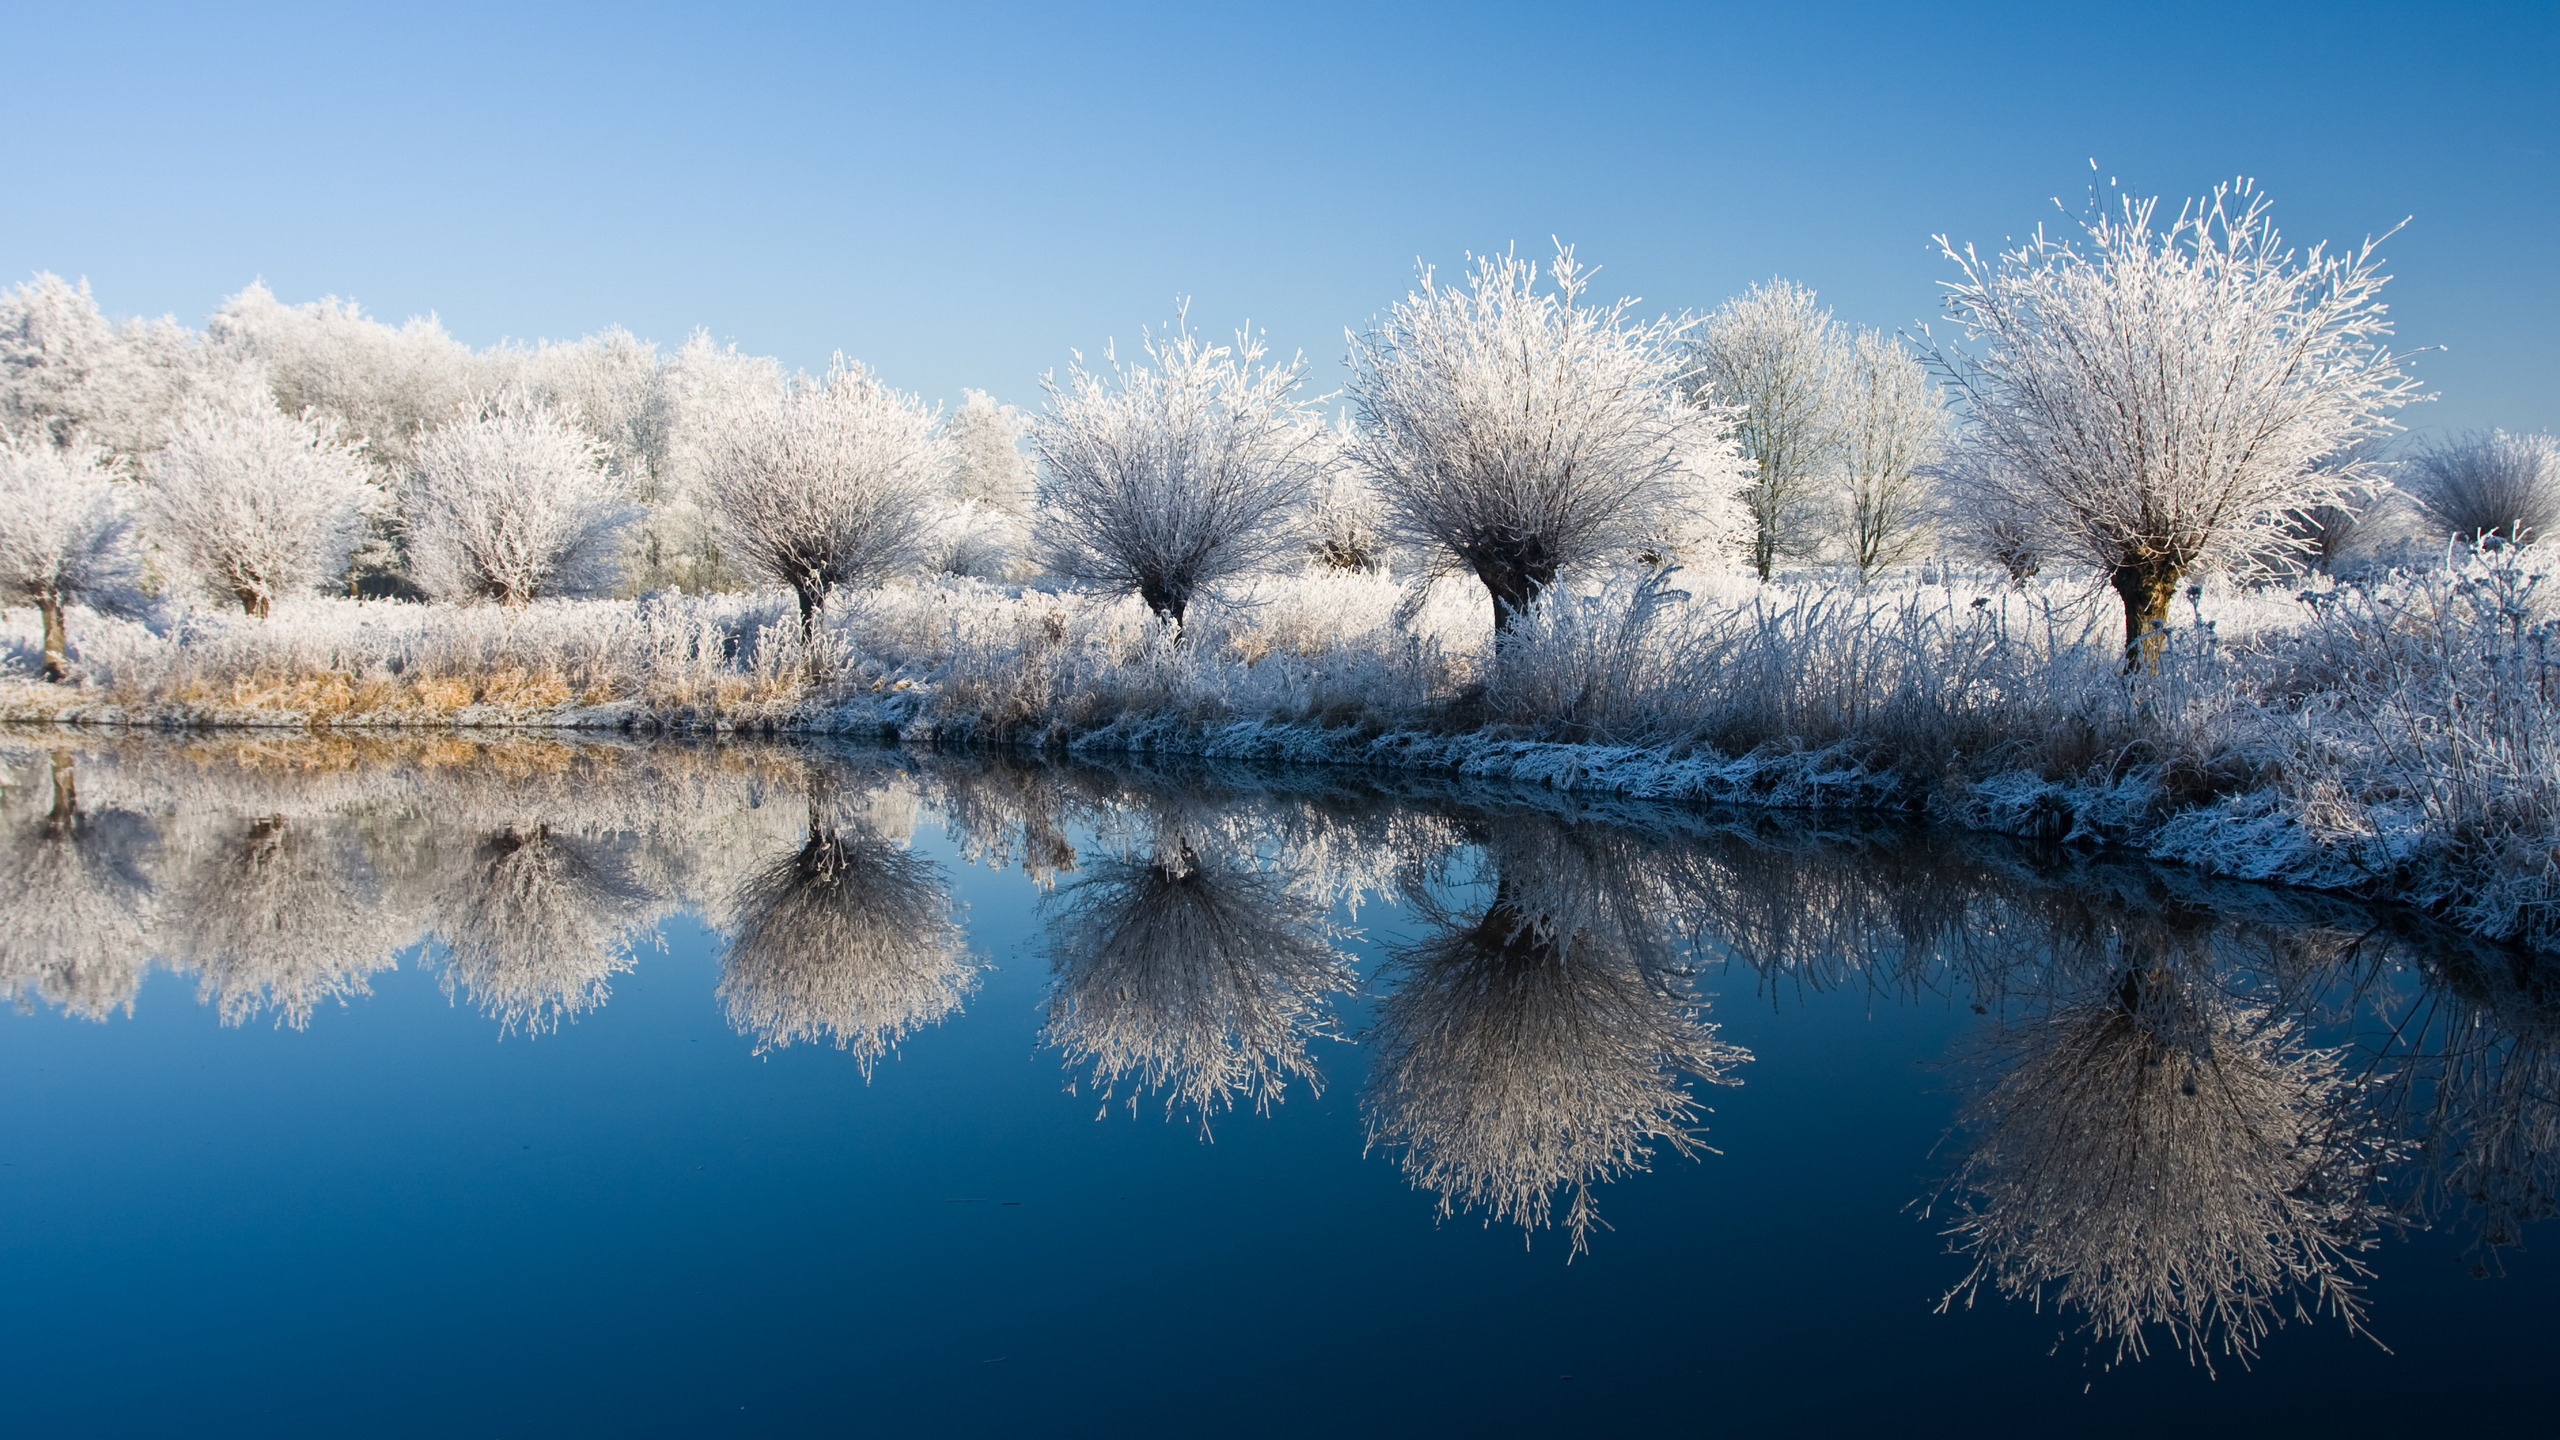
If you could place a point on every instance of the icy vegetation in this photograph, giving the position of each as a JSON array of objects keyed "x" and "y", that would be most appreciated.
[{"x": 1749, "y": 555}]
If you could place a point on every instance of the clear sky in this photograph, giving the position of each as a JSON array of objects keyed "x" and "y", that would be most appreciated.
[{"x": 960, "y": 194}]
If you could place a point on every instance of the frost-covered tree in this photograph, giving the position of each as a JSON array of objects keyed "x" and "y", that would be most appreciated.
[
  {"x": 1773, "y": 354},
  {"x": 511, "y": 501},
  {"x": 66, "y": 535},
  {"x": 1891, "y": 422},
  {"x": 988, "y": 490},
  {"x": 1174, "y": 473},
  {"x": 2158, "y": 396},
  {"x": 824, "y": 483},
  {"x": 1519, "y": 430},
  {"x": 250, "y": 503},
  {"x": 2488, "y": 483},
  {"x": 66, "y": 370}
]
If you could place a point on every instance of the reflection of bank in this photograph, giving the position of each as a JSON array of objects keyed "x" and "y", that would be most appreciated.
[
  {"x": 75, "y": 915},
  {"x": 850, "y": 939},
  {"x": 2150, "y": 1151},
  {"x": 1543, "y": 1044},
  {"x": 2476, "y": 1083},
  {"x": 1190, "y": 970}
]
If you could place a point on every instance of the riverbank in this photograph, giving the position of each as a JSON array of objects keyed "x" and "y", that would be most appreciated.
[{"x": 2393, "y": 740}]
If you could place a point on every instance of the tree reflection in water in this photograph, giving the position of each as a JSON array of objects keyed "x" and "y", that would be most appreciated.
[
  {"x": 75, "y": 918},
  {"x": 2153, "y": 1152},
  {"x": 2197, "y": 1101},
  {"x": 850, "y": 938},
  {"x": 535, "y": 925},
  {"x": 1540, "y": 1045},
  {"x": 1190, "y": 971}
]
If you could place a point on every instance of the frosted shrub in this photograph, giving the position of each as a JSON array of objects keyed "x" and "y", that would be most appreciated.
[
  {"x": 2154, "y": 404},
  {"x": 1178, "y": 472},
  {"x": 66, "y": 535},
  {"x": 511, "y": 501},
  {"x": 249, "y": 503},
  {"x": 2488, "y": 483},
  {"x": 65, "y": 371},
  {"x": 1520, "y": 431},
  {"x": 824, "y": 482}
]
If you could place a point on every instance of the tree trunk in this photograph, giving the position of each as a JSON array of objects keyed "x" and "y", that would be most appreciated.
[
  {"x": 812, "y": 599},
  {"x": 252, "y": 603},
  {"x": 1168, "y": 599},
  {"x": 2146, "y": 592},
  {"x": 66, "y": 796},
  {"x": 1514, "y": 574},
  {"x": 55, "y": 641}
]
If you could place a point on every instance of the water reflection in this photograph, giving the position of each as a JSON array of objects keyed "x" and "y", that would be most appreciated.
[
  {"x": 1537, "y": 1044},
  {"x": 2189, "y": 1107},
  {"x": 848, "y": 938}
]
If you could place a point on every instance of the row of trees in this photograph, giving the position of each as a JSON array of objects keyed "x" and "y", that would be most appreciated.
[{"x": 2148, "y": 398}]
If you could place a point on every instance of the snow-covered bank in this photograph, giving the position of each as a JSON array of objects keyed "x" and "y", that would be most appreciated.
[{"x": 2392, "y": 739}]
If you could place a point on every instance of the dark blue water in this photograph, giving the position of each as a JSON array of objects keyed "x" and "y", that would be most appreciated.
[{"x": 405, "y": 1219}]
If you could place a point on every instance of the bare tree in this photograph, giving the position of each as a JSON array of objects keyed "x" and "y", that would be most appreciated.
[
  {"x": 66, "y": 535},
  {"x": 1771, "y": 353},
  {"x": 2488, "y": 484},
  {"x": 1172, "y": 474},
  {"x": 1891, "y": 423},
  {"x": 824, "y": 482},
  {"x": 510, "y": 502},
  {"x": 251, "y": 503},
  {"x": 2158, "y": 401},
  {"x": 1522, "y": 431}
]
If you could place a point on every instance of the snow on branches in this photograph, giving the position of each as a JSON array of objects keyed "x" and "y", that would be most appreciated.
[
  {"x": 250, "y": 503},
  {"x": 1172, "y": 474},
  {"x": 1521, "y": 431},
  {"x": 66, "y": 534},
  {"x": 510, "y": 502},
  {"x": 2159, "y": 396},
  {"x": 824, "y": 482}
]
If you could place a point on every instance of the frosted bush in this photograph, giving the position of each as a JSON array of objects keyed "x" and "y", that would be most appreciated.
[
  {"x": 511, "y": 501},
  {"x": 249, "y": 503},
  {"x": 2487, "y": 483},
  {"x": 1176, "y": 472}
]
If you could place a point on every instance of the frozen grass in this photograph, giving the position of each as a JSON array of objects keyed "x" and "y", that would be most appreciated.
[{"x": 2392, "y": 737}]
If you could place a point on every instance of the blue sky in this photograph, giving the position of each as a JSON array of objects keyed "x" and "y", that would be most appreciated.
[{"x": 960, "y": 194}]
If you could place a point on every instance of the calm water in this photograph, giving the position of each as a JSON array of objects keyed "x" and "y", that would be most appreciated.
[{"x": 446, "y": 1088}]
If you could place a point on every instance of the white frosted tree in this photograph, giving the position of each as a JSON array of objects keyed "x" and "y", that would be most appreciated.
[
  {"x": 66, "y": 370},
  {"x": 1891, "y": 426},
  {"x": 511, "y": 501},
  {"x": 250, "y": 503},
  {"x": 1774, "y": 356},
  {"x": 1519, "y": 430},
  {"x": 1174, "y": 473},
  {"x": 824, "y": 483},
  {"x": 2487, "y": 483},
  {"x": 66, "y": 535},
  {"x": 2158, "y": 397},
  {"x": 988, "y": 490}
]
